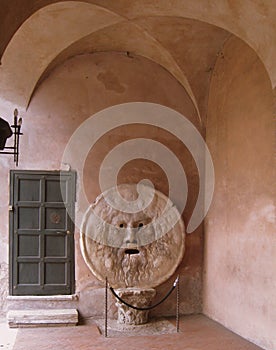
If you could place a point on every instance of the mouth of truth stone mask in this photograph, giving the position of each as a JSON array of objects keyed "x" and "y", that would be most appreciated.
[{"x": 132, "y": 248}]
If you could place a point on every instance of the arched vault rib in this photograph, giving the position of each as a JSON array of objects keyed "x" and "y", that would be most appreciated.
[
  {"x": 40, "y": 39},
  {"x": 252, "y": 21},
  {"x": 65, "y": 27},
  {"x": 123, "y": 37}
]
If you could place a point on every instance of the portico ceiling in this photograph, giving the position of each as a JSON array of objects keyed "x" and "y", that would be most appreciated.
[{"x": 184, "y": 37}]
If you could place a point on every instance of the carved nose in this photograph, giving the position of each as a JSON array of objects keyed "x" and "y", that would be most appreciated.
[
  {"x": 130, "y": 237},
  {"x": 134, "y": 241}
]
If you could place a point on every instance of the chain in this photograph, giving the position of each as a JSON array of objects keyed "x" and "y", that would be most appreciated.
[{"x": 149, "y": 307}]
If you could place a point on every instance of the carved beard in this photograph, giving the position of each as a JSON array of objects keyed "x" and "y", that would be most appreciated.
[
  {"x": 125, "y": 270},
  {"x": 132, "y": 266}
]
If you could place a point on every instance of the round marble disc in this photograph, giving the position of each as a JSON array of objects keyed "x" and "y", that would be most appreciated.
[{"x": 134, "y": 239}]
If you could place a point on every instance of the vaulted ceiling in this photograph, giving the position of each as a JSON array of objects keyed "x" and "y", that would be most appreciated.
[{"x": 184, "y": 37}]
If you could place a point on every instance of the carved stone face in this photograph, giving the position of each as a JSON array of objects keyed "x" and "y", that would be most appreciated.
[{"x": 141, "y": 249}]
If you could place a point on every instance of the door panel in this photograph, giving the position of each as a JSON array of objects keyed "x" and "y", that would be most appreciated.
[
  {"x": 29, "y": 190},
  {"x": 28, "y": 273},
  {"x": 55, "y": 246},
  {"x": 41, "y": 232},
  {"x": 28, "y": 218},
  {"x": 56, "y": 218},
  {"x": 55, "y": 190},
  {"x": 28, "y": 245}
]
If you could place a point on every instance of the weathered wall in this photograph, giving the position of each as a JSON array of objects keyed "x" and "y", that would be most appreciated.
[
  {"x": 73, "y": 92},
  {"x": 240, "y": 249}
]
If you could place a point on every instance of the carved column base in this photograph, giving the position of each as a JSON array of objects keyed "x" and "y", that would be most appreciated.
[{"x": 138, "y": 297}]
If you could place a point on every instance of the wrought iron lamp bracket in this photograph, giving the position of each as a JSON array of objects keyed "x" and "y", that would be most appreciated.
[{"x": 16, "y": 132}]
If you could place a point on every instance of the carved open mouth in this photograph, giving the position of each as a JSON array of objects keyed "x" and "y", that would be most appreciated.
[{"x": 132, "y": 251}]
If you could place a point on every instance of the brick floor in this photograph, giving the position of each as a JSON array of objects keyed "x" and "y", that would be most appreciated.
[{"x": 196, "y": 333}]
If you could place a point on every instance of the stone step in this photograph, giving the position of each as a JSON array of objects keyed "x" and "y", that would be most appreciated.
[{"x": 42, "y": 318}]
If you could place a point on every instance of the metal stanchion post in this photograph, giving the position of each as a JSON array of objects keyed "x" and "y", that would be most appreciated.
[
  {"x": 105, "y": 323},
  {"x": 177, "y": 306}
]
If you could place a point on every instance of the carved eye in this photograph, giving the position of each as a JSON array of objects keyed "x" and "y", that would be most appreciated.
[
  {"x": 122, "y": 225},
  {"x": 140, "y": 225}
]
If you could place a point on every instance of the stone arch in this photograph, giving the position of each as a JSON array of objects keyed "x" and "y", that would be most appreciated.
[
  {"x": 239, "y": 18},
  {"x": 22, "y": 75},
  {"x": 91, "y": 17}
]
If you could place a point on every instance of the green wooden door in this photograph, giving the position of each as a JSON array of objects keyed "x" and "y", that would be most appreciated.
[{"x": 42, "y": 232}]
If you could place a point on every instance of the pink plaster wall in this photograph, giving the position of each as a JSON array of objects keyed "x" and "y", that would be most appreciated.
[
  {"x": 73, "y": 92},
  {"x": 240, "y": 244}
]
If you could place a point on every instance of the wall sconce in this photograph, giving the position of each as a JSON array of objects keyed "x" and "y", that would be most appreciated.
[{"x": 6, "y": 131}]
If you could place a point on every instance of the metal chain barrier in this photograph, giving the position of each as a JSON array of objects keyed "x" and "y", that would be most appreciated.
[{"x": 149, "y": 307}]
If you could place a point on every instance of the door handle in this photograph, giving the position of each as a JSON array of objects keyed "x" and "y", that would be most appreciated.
[{"x": 67, "y": 232}]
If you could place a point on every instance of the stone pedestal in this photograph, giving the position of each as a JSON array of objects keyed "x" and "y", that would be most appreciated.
[{"x": 138, "y": 297}]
